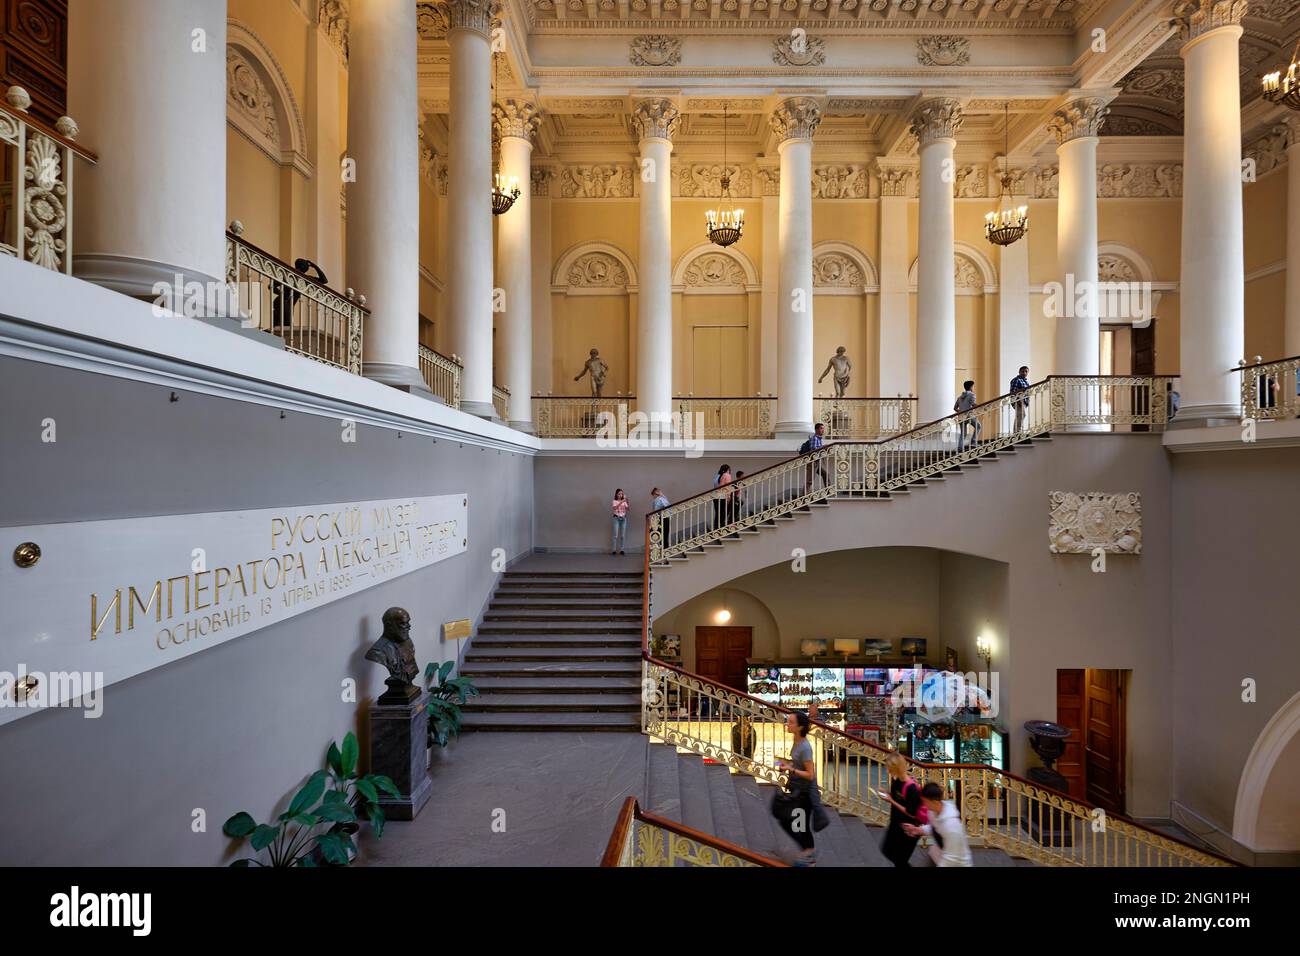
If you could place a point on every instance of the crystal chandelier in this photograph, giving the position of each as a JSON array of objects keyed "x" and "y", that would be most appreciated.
[
  {"x": 1284, "y": 87},
  {"x": 504, "y": 190},
  {"x": 1007, "y": 224},
  {"x": 724, "y": 225}
]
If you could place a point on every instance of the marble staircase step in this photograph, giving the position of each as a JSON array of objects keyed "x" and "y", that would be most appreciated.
[
  {"x": 560, "y": 671},
  {"x": 499, "y": 641},
  {"x": 559, "y": 721},
  {"x": 550, "y": 682},
  {"x": 505, "y": 703},
  {"x": 555, "y": 654}
]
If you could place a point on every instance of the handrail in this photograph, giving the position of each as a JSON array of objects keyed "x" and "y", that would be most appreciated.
[
  {"x": 631, "y": 812},
  {"x": 1244, "y": 368},
  {"x": 238, "y": 237},
  {"x": 52, "y": 132},
  {"x": 1270, "y": 391}
]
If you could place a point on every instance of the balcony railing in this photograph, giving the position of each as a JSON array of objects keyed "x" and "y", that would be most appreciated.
[
  {"x": 728, "y": 417},
  {"x": 571, "y": 417},
  {"x": 36, "y": 184},
  {"x": 501, "y": 402},
  {"x": 1271, "y": 390},
  {"x": 866, "y": 417},
  {"x": 311, "y": 318},
  {"x": 441, "y": 374},
  {"x": 641, "y": 838}
]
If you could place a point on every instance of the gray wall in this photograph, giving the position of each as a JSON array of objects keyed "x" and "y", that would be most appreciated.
[{"x": 239, "y": 726}]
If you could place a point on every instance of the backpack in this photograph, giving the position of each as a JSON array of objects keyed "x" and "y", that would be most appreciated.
[
  {"x": 805, "y": 447},
  {"x": 922, "y": 811}
]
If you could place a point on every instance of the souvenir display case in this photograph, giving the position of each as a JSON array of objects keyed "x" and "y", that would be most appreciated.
[
  {"x": 796, "y": 686},
  {"x": 764, "y": 683},
  {"x": 978, "y": 741}
]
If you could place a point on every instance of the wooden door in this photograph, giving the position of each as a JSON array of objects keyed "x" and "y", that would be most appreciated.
[
  {"x": 721, "y": 653},
  {"x": 719, "y": 355},
  {"x": 1143, "y": 363},
  {"x": 1103, "y": 739},
  {"x": 34, "y": 53},
  {"x": 1071, "y": 700}
]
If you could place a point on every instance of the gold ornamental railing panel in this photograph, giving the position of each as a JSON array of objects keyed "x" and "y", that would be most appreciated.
[
  {"x": 501, "y": 402},
  {"x": 572, "y": 417},
  {"x": 441, "y": 374},
  {"x": 1270, "y": 391},
  {"x": 645, "y": 839},
  {"x": 849, "y": 418},
  {"x": 999, "y": 809},
  {"x": 713, "y": 418}
]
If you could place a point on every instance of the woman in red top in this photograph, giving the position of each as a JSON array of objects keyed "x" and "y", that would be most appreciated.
[
  {"x": 720, "y": 500},
  {"x": 619, "y": 505}
]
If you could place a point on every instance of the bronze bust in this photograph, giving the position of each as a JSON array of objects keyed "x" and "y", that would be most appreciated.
[{"x": 396, "y": 652}]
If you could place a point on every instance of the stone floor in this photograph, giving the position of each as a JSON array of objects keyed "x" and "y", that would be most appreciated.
[{"x": 559, "y": 795}]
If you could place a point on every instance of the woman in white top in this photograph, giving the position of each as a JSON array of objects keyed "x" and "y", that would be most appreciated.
[{"x": 951, "y": 847}]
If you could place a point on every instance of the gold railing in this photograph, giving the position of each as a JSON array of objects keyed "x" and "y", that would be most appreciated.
[
  {"x": 866, "y": 417},
  {"x": 501, "y": 402},
  {"x": 999, "y": 809},
  {"x": 308, "y": 316},
  {"x": 874, "y": 469},
  {"x": 556, "y": 416},
  {"x": 641, "y": 838},
  {"x": 36, "y": 184},
  {"x": 441, "y": 374},
  {"x": 1271, "y": 390},
  {"x": 727, "y": 417}
]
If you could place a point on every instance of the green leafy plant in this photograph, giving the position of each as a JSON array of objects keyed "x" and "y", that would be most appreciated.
[
  {"x": 446, "y": 697},
  {"x": 322, "y": 816}
]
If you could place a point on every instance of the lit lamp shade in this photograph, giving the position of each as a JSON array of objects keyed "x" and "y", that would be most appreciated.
[
  {"x": 847, "y": 645},
  {"x": 811, "y": 648}
]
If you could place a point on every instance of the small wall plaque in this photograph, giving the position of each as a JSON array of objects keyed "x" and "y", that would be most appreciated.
[{"x": 455, "y": 630}]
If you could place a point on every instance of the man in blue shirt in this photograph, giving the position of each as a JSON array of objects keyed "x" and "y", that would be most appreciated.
[
  {"x": 1020, "y": 384},
  {"x": 815, "y": 441},
  {"x": 660, "y": 500}
]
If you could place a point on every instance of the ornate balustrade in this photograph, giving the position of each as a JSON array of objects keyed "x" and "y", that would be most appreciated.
[
  {"x": 999, "y": 808},
  {"x": 874, "y": 469},
  {"x": 727, "y": 417},
  {"x": 866, "y": 417},
  {"x": 441, "y": 374},
  {"x": 645, "y": 839},
  {"x": 308, "y": 316},
  {"x": 1271, "y": 390},
  {"x": 36, "y": 184},
  {"x": 501, "y": 402},
  {"x": 572, "y": 417}
]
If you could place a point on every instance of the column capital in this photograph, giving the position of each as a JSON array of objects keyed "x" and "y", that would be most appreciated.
[
  {"x": 937, "y": 119},
  {"x": 896, "y": 179},
  {"x": 517, "y": 118},
  {"x": 655, "y": 119},
  {"x": 474, "y": 15},
  {"x": 1195, "y": 18},
  {"x": 540, "y": 177},
  {"x": 769, "y": 177},
  {"x": 796, "y": 118},
  {"x": 1078, "y": 118}
]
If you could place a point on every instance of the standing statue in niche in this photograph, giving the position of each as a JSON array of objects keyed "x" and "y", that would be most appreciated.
[
  {"x": 839, "y": 364},
  {"x": 597, "y": 369},
  {"x": 396, "y": 652}
]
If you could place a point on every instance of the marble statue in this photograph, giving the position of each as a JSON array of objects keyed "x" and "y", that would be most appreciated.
[
  {"x": 840, "y": 364},
  {"x": 396, "y": 652},
  {"x": 596, "y": 367}
]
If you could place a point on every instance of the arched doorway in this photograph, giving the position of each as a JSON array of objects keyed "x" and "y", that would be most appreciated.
[{"x": 1264, "y": 818}]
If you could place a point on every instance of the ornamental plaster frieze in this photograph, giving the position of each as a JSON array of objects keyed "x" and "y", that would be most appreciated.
[
  {"x": 697, "y": 180},
  {"x": 334, "y": 19},
  {"x": 655, "y": 49},
  {"x": 1083, "y": 522},
  {"x": 431, "y": 20},
  {"x": 942, "y": 50},
  {"x": 596, "y": 181},
  {"x": 798, "y": 49},
  {"x": 897, "y": 179},
  {"x": 840, "y": 181},
  {"x": 1268, "y": 151},
  {"x": 541, "y": 178}
]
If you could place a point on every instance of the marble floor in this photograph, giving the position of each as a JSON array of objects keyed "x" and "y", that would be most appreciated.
[{"x": 517, "y": 799}]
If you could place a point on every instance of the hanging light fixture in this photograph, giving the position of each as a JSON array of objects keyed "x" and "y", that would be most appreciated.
[
  {"x": 505, "y": 190},
  {"x": 1007, "y": 223},
  {"x": 724, "y": 225},
  {"x": 1284, "y": 86}
]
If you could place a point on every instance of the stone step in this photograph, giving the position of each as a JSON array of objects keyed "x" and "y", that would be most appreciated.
[
  {"x": 663, "y": 795},
  {"x": 693, "y": 788},
  {"x": 560, "y": 628},
  {"x": 509, "y": 575},
  {"x": 544, "y": 668},
  {"x": 505, "y": 703},
  {"x": 558, "y": 721},
  {"x": 554, "y": 654},
  {"x": 549, "y": 682},
  {"x": 762, "y": 833},
  {"x": 584, "y": 603},
  {"x": 496, "y": 641},
  {"x": 728, "y": 823},
  {"x": 593, "y": 616}
]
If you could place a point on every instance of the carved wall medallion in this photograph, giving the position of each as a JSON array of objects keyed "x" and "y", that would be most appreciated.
[
  {"x": 599, "y": 181},
  {"x": 705, "y": 179},
  {"x": 1081, "y": 523},
  {"x": 249, "y": 99},
  {"x": 1113, "y": 268},
  {"x": 656, "y": 50},
  {"x": 714, "y": 269},
  {"x": 431, "y": 20},
  {"x": 942, "y": 51},
  {"x": 835, "y": 270},
  {"x": 597, "y": 270},
  {"x": 966, "y": 274},
  {"x": 798, "y": 50},
  {"x": 840, "y": 181}
]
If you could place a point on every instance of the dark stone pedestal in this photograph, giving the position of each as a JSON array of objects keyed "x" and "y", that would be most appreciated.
[
  {"x": 1051, "y": 829},
  {"x": 399, "y": 748}
]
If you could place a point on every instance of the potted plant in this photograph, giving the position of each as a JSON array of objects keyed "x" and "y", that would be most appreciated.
[{"x": 446, "y": 698}]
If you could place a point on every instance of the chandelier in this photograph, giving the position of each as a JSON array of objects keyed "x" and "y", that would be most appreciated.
[
  {"x": 724, "y": 225},
  {"x": 1284, "y": 87},
  {"x": 1007, "y": 224},
  {"x": 505, "y": 190}
]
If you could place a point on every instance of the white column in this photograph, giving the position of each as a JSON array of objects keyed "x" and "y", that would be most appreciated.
[
  {"x": 935, "y": 124},
  {"x": 1078, "y": 321},
  {"x": 895, "y": 359},
  {"x": 769, "y": 176},
  {"x": 794, "y": 123},
  {"x": 543, "y": 343},
  {"x": 383, "y": 233},
  {"x": 1013, "y": 317},
  {"x": 516, "y": 122},
  {"x": 655, "y": 122},
  {"x": 469, "y": 206},
  {"x": 1212, "y": 285},
  {"x": 155, "y": 204},
  {"x": 1291, "y": 341}
]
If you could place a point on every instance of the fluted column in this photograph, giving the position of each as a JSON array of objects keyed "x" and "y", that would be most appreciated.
[
  {"x": 1291, "y": 344},
  {"x": 1212, "y": 285},
  {"x": 1076, "y": 127},
  {"x": 895, "y": 364},
  {"x": 540, "y": 212},
  {"x": 469, "y": 207},
  {"x": 794, "y": 123},
  {"x": 769, "y": 177},
  {"x": 935, "y": 124},
  {"x": 150, "y": 208},
  {"x": 516, "y": 123},
  {"x": 383, "y": 234},
  {"x": 655, "y": 122}
]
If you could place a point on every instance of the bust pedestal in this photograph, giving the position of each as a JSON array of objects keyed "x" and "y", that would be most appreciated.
[{"x": 399, "y": 748}]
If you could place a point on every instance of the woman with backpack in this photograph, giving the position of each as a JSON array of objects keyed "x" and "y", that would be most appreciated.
[
  {"x": 905, "y": 808},
  {"x": 796, "y": 808}
]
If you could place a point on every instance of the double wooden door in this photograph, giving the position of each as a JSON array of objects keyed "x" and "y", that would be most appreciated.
[
  {"x": 1090, "y": 703},
  {"x": 721, "y": 653}
]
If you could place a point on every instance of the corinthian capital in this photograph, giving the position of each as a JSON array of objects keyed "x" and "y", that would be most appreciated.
[
  {"x": 1078, "y": 118},
  {"x": 1198, "y": 17},
  {"x": 476, "y": 15},
  {"x": 517, "y": 118},
  {"x": 655, "y": 119},
  {"x": 796, "y": 118},
  {"x": 936, "y": 119}
]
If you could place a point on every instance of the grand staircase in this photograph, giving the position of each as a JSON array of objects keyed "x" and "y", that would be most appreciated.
[{"x": 558, "y": 651}]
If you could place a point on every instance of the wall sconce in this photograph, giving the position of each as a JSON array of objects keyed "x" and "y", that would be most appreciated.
[
  {"x": 723, "y": 614},
  {"x": 984, "y": 648}
]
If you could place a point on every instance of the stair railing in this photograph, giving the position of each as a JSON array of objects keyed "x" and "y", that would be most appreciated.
[
  {"x": 875, "y": 469},
  {"x": 641, "y": 838},
  {"x": 1270, "y": 390}
]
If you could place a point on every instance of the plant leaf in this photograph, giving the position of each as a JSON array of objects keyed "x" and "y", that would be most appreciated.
[
  {"x": 264, "y": 836},
  {"x": 444, "y": 670},
  {"x": 367, "y": 789},
  {"x": 332, "y": 847},
  {"x": 377, "y": 819},
  {"x": 350, "y": 753},
  {"x": 430, "y": 670},
  {"x": 385, "y": 784},
  {"x": 307, "y": 797},
  {"x": 337, "y": 813},
  {"x": 242, "y": 863},
  {"x": 334, "y": 759},
  {"x": 240, "y": 825}
]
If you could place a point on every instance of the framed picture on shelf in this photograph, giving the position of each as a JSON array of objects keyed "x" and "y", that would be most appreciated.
[
  {"x": 877, "y": 646},
  {"x": 950, "y": 659},
  {"x": 913, "y": 647}
]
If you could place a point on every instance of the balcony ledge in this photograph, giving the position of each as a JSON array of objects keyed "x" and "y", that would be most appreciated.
[{"x": 1268, "y": 434}]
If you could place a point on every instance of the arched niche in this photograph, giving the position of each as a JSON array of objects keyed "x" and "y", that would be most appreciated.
[
  {"x": 717, "y": 315},
  {"x": 259, "y": 101},
  {"x": 846, "y": 284},
  {"x": 1261, "y": 820},
  {"x": 593, "y": 305}
]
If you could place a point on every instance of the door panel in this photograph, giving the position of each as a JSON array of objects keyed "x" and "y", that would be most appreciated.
[
  {"x": 1104, "y": 752},
  {"x": 721, "y": 654},
  {"x": 719, "y": 355},
  {"x": 1070, "y": 703}
]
